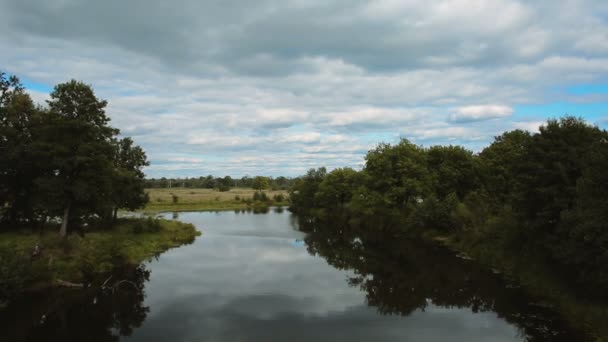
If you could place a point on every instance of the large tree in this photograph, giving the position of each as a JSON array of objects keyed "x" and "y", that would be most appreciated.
[
  {"x": 19, "y": 119},
  {"x": 453, "y": 170},
  {"x": 260, "y": 183},
  {"x": 398, "y": 172},
  {"x": 82, "y": 148}
]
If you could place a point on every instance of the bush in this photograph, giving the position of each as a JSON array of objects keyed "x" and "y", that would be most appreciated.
[
  {"x": 148, "y": 225},
  {"x": 175, "y": 198},
  {"x": 278, "y": 198},
  {"x": 260, "y": 196}
]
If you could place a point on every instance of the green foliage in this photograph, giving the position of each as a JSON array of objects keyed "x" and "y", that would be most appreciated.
[
  {"x": 278, "y": 198},
  {"x": 64, "y": 161},
  {"x": 302, "y": 193},
  {"x": 453, "y": 171},
  {"x": 337, "y": 188},
  {"x": 81, "y": 259},
  {"x": 210, "y": 182},
  {"x": 260, "y": 196},
  {"x": 434, "y": 214},
  {"x": 225, "y": 183},
  {"x": 260, "y": 183},
  {"x": 544, "y": 194},
  {"x": 148, "y": 225},
  {"x": 399, "y": 173},
  {"x": 500, "y": 164}
]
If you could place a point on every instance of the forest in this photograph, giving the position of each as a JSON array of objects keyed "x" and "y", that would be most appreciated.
[
  {"x": 64, "y": 160},
  {"x": 540, "y": 197}
]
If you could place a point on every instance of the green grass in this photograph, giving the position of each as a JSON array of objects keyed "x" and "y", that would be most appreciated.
[
  {"x": 80, "y": 259},
  {"x": 189, "y": 199}
]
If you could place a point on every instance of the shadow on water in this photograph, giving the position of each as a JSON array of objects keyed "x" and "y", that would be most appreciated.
[
  {"x": 94, "y": 314},
  {"x": 400, "y": 275}
]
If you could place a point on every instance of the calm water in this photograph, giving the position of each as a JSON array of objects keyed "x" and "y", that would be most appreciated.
[{"x": 255, "y": 277}]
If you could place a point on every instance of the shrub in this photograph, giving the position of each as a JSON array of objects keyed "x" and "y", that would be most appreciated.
[
  {"x": 260, "y": 196},
  {"x": 175, "y": 198},
  {"x": 148, "y": 225}
]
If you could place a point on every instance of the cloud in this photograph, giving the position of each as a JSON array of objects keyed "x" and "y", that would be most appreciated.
[
  {"x": 530, "y": 126},
  {"x": 309, "y": 82},
  {"x": 479, "y": 113}
]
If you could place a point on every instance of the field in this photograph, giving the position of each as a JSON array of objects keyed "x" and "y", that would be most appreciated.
[{"x": 205, "y": 199}]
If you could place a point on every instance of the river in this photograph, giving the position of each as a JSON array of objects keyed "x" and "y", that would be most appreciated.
[{"x": 256, "y": 277}]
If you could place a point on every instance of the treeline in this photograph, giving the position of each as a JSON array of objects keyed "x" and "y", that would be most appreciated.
[
  {"x": 222, "y": 183},
  {"x": 541, "y": 196},
  {"x": 64, "y": 161}
]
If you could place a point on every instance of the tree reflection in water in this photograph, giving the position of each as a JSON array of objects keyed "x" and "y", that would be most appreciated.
[
  {"x": 400, "y": 275},
  {"x": 92, "y": 314}
]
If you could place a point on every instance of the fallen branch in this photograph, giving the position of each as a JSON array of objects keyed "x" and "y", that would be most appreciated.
[{"x": 68, "y": 284}]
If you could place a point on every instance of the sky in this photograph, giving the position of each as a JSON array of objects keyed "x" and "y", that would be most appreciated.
[{"x": 275, "y": 87}]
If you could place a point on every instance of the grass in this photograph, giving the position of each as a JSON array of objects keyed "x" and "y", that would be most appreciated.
[
  {"x": 81, "y": 259},
  {"x": 189, "y": 199}
]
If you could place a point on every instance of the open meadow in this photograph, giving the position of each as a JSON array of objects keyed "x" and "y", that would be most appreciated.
[{"x": 185, "y": 199}]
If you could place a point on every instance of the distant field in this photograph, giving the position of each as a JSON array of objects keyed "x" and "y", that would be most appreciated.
[{"x": 203, "y": 199}]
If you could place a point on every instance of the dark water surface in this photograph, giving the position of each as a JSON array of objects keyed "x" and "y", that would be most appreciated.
[{"x": 255, "y": 277}]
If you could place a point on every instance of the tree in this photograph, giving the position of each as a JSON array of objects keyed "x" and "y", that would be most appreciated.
[
  {"x": 453, "y": 170},
  {"x": 582, "y": 232},
  {"x": 399, "y": 173},
  {"x": 128, "y": 183},
  {"x": 19, "y": 120},
  {"x": 82, "y": 148},
  {"x": 554, "y": 162},
  {"x": 224, "y": 184},
  {"x": 302, "y": 193},
  {"x": 260, "y": 183},
  {"x": 337, "y": 188},
  {"x": 500, "y": 166}
]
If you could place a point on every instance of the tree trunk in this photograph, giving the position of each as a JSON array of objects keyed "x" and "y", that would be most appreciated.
[
  {"x": 63, "y": 231},
  {"x": 115, "y": 216},
  {"x": 42, "y": 224}
]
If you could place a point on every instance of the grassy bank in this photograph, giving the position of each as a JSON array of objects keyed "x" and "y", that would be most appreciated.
[
  {"x": 188, "y": 199},
  {"x": 536, "y": 277},
  {"x": 81, "y": 259}
]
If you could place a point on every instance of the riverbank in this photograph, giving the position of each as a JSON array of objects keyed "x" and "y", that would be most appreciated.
[
  {"x": 31, "y": 261},
  {"x": 536, "y": 278},
  {"x": 190, "y": 199}
]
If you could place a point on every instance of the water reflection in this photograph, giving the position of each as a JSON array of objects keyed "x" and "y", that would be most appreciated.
[
  {"x": 400, "y": 276},
  {"x": 253, "y": 277},
  {"x": 94, "y": 314}
]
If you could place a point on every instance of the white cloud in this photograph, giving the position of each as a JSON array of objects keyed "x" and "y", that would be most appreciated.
[
  {"x": 530, "y": 126},
  {"x": 479, "y": 113},
  {"x": 276, "y": 87}
]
